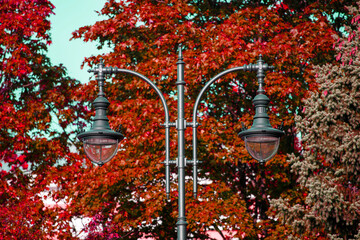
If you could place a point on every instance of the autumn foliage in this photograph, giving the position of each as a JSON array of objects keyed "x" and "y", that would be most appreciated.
[
  {"x": 328, "y": 167},
  {"x": 125, "y": 199},
  {"x": 36, "y": 113},
  {"x": 235, "y": 191}
]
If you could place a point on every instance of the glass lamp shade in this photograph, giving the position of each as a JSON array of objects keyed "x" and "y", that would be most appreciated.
[
  {"x": 261, "y": 147},
  {"x": 100, "y": 150}
]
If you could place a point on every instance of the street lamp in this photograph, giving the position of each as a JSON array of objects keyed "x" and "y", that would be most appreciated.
[
  {"x": 100, "y": 143},
  {"x": 261, "y": 140}
]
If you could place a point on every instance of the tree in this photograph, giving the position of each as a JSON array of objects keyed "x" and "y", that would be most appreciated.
[
  {"x": 36, "y": 114},
  {"x": 328, "y": 166},
  {"x": 217, "y": 35}
]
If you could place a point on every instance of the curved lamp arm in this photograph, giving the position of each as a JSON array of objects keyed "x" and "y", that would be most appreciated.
[
  {"x": 260, "y": 67},
  {"x": 101, "y": 70}
]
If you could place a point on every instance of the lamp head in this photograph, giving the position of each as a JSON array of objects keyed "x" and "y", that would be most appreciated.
[
  {"x": 100, "y": 142},
  {"x": 261, "y": 140}
]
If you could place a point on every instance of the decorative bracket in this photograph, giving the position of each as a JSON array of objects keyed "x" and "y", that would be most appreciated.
[
  {"x": 176, "y": 162},
  {"x": 174, "y": 124}
]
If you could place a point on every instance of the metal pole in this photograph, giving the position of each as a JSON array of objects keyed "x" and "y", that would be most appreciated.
[{"x": 180, "y": 126}]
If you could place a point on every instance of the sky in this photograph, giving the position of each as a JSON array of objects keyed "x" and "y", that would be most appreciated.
[{"x": 69, "y": 16}]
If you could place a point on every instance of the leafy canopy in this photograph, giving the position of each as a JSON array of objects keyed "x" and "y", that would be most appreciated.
[
  {"x": 36, "y": 112},
  {"x": 328, "y": 166},
  {"x": 128, "y": 193}
]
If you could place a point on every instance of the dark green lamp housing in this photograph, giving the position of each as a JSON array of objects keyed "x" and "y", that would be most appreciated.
[
  {"x": 261, "y": 140},
  {"x": 100, "y": 142}
]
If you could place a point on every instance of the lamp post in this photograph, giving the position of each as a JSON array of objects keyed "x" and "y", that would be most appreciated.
[{"x": 261, "y": 140}]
